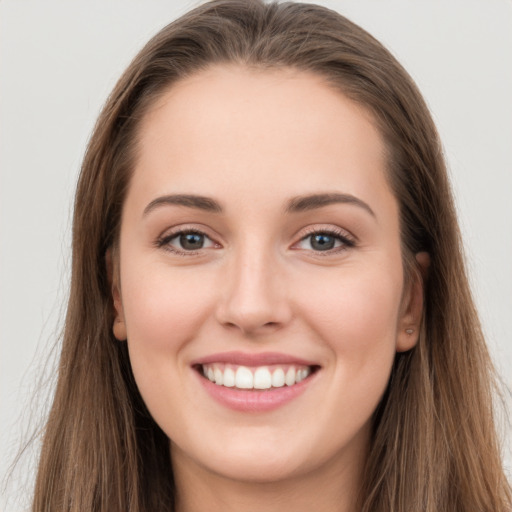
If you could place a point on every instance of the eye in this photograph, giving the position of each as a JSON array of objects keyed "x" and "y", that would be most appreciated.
[
  {"x": 325, "y": 241},
  {"x": 186, "y": 241}
]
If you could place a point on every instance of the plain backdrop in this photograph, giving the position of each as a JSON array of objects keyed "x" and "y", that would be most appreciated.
[{"x": 58, "y": 62}]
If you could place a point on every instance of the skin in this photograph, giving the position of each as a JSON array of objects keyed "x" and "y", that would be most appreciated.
[{"x": 252, "y": 140}]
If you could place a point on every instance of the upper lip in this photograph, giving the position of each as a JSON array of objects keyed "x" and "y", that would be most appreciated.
[{"x": 248, "y": 359}]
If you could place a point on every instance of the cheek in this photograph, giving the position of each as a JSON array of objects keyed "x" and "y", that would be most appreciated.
[
  {"x": 355, "y": 317},
  {"x": 355, "y": 311},
  {"x": 164, "y": 309}
]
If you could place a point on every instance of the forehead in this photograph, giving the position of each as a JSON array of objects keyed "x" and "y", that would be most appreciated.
[{"x": 284, "y": 130}]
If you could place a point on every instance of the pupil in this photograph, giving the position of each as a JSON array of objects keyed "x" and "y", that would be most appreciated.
[
  {"x": 322, "y": 242},
  {"x": 191, "y": 241}
]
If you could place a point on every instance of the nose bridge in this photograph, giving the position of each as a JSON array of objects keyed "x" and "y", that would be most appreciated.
[{"x": 254, "y": 297}]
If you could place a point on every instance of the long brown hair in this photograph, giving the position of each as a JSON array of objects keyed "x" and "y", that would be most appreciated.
[{"x": 434, "y": 445}]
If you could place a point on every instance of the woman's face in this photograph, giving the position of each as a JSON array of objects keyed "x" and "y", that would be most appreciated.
[{"x": 260, "y": 246}]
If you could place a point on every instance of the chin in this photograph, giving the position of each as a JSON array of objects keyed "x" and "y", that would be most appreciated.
[{"x": 261, "y": 468}]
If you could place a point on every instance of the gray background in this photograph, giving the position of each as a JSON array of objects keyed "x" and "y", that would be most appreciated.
[{"x": 59, "y": 60}]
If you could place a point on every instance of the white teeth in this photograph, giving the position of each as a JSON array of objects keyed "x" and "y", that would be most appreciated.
[
  {"x": 263, "y": 377},
  {"x": 290, "y": 376},
  {"x": 244, "y": 378},
  {"x": 229, "y": 378},
  {"x": 301, "y": 374},
  {"x": 306, "y": 372},
  {"x": 219, "y": 376},
  {"x": 278, "y": 378}
]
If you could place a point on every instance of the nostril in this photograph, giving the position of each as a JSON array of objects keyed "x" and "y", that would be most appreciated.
[{"x": 251, "y": 324}]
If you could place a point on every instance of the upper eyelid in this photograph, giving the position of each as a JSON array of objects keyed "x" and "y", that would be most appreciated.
[
  {"x": 334, "y": 230},
  {"x": 169, "y": 234},
  {"x": 185, "y": 228}
]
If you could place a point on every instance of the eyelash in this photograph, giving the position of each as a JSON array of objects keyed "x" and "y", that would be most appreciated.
[
  {"x": 347, "y": 242},
  {"x": 164, "y": 242}
]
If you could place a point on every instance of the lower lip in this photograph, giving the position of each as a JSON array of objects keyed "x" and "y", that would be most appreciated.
[{"x": 255, "y": 400}]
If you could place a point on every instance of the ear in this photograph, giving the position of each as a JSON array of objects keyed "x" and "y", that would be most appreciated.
[
  {"x": 412, "y": 307},
  {"x": 112, "y": 262}
]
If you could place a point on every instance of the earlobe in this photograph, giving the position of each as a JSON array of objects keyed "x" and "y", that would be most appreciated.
[
  {"x": 412, "y": 312},
  {"x": 119, "y": 326},
  {"x": 119, "y": 329}
]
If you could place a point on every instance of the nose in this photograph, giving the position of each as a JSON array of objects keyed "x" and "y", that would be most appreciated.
[{"x": 254, "y": 295}]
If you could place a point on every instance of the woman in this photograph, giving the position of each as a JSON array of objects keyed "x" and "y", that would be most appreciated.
[{"x": 268, "y": 305}]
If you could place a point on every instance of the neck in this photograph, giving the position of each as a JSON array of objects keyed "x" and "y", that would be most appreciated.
[{"x": 332, "y": 487}]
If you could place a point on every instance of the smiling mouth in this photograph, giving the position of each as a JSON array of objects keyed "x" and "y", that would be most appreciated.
[{"x": 255, "y": 378}]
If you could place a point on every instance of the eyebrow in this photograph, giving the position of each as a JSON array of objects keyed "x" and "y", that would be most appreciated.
[
  {"x": 295, "y": 205},
  {"x": 188, "y": 200},
  {"x": 314, "y": 201}
]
